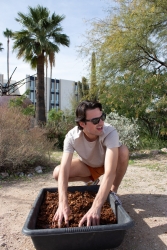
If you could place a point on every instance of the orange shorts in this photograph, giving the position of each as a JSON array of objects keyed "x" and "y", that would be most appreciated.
[{"x": 96, "y": 172}]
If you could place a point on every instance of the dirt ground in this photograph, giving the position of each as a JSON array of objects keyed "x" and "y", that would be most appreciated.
[{"x": 143, "y": 193}]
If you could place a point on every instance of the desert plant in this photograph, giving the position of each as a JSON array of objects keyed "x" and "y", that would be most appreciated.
[
  {"x": 21, "y": 147},
  {"x": 148, "y": 142},
  {"x": 128, "y": 129},
  {"x": 24, "y": 104},
  {"x": 59, "y": 123}
]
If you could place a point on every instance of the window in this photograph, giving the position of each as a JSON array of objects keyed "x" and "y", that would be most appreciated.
[
  {"x": 57, "y": 98},
  {"x": 52, "y": 97},
  {"x": 52, "y": 85},
  {"x": 35, "y": 82},
  {"x": 57, "y": 86},
  {"x": 32, "y": 96},
  {"x": 31, "y": 84}
]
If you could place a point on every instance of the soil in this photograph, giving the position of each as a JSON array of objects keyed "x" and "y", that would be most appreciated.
[
  {"x": 143, "y": 193},
  {"x": 79, "y": 204}
]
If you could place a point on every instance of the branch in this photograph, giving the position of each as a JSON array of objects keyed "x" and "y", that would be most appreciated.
[{"x": 154, "y": 58}]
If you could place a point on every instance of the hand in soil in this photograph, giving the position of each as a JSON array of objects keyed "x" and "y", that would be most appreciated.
[
  {"x": 91, "y": 218},
  {"x": 79, "y": 204},
  {"x": 61, "y": 214}
]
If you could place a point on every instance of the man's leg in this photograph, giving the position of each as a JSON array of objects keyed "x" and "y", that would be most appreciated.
[
  {"x": 78, "y": 171},
  {"x": 123, "y": 159}
]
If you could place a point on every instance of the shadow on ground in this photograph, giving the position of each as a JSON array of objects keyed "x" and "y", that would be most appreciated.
[{"x": 149, "y": 218}]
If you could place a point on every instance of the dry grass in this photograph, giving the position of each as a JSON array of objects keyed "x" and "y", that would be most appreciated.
[{"x": 21, "y": 146}]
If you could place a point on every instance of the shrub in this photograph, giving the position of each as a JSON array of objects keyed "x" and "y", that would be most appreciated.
[
  {"x": 59, "y": 123},
  {"x": 21, "y": 146},
  {"x": 23, "y": 103},
  {"x": 128, "y": 130},
  {"x": 148, "y": 142}
]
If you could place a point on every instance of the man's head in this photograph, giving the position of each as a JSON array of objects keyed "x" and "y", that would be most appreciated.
[{"x": 81, "y": 111}]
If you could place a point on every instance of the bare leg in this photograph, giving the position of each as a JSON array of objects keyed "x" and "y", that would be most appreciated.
[
  {"x": 123, "y": 158},
  {"x": 78, "y": 172}
]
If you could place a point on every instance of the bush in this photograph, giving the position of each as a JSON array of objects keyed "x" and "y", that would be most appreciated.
[
  {"x": 148, "y": 142},
  {"x": 59, "y": 123},
  {"x": 21, "y": 146},
  {"x": 24, "y": 104},
  {"x": 128, "y": 130}
]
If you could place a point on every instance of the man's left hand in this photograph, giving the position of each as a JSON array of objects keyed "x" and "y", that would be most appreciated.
[{"x": 92, "y": 217}]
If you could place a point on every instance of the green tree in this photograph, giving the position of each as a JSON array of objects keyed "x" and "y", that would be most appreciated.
[
  {"x": 23, "y": 104},
  {"x": 80, "y": 92},
  {"x": 85, "y": 88},
  {"x": 8, "y": 34},
  {"x": 93, "y": 92},
  {"x": 41, "y": 35},
  {"x": 142, "y": 96},
  {"x": 131, "y": 36},
  {"x": 102, "y": 95},
  {"x": 131, "y": 52},
  {"x": 1, "y": 47}
]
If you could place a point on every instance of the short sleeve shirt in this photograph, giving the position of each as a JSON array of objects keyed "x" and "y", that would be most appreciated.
[{"x": 91, "y": 153}]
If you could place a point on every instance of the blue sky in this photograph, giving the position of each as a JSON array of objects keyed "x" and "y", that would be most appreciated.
[{"x": 68, "y": 64}]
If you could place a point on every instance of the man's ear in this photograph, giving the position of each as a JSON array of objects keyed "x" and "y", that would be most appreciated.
[{"x": 82, "y": 124}]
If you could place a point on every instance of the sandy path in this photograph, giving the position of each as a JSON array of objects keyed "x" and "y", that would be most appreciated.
[{"x": 143, "y": 193}]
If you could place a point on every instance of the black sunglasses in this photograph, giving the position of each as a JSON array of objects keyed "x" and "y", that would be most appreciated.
[{"x": 97, "y": 119}]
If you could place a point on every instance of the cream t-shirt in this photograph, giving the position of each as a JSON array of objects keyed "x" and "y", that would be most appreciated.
[{"x": 91, "y": 153}]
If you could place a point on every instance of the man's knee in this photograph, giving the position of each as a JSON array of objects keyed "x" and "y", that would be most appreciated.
[
  {"x": 56, "y": 172},
  {"x": 123, "y": 153}
]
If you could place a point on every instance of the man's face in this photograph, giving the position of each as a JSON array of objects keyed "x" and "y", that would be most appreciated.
[{"x": 90, "y": 130}]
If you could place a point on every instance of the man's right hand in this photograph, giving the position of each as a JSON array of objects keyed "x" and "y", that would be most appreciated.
[{"x": 62, "y": 212}]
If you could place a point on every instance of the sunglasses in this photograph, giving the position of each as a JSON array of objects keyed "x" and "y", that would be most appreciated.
[{"x": 97, "y": 119}]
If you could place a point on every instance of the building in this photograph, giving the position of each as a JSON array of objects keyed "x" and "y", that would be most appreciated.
[{"x": 58, "y": 92}]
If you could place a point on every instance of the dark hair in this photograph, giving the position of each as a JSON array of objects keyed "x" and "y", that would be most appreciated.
[{"x": 82, "y": 108}]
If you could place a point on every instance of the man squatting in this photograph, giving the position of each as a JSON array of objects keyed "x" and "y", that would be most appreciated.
[{"x": 99, "y": 153}]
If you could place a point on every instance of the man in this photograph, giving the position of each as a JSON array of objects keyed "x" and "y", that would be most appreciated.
[{"x": 100, "y": 153}]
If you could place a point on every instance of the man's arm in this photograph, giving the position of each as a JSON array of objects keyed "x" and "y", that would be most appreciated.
[
  {"x": 63, "y": 210},
  {"x": 93, "y": 215}
]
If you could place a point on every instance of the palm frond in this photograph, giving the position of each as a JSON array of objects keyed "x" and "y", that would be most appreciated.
[{"x": 41, "y": 32}]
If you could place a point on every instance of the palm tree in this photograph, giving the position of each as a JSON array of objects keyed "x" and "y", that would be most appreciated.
[
  {"x": 1, "y": 47},
  {"x": 52, "y": 64},
  {"x": 8, "y": 34},
  {"x": 41, "y": 35}
]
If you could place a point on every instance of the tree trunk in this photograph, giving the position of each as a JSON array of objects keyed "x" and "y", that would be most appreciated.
[
  {"x": 46, "y": 83},
  {"x": 40, "y": 116},
  {"x": 8, "y": 59}
]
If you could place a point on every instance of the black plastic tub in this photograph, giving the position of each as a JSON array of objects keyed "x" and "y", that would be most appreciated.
[{"x": 78, "y": 238}]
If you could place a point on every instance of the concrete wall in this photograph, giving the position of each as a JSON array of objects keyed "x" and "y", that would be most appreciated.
[{"x": 66, "y": 93}]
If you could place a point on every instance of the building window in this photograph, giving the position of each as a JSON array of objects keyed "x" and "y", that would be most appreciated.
[
  {"x": 31, "y": 84},
  {"x": 52, "y": 99},
  {"x": 32, "y": 96},
  {"x": 57, "y": 98},
  {"x": 52, "y": 85},
  {"x": 57, "y": 86},
  {"x": 35, "y": 82}
]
